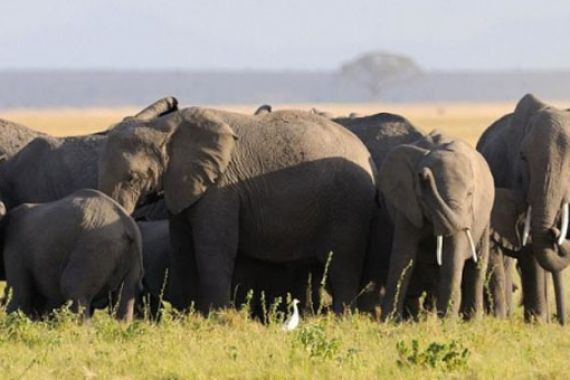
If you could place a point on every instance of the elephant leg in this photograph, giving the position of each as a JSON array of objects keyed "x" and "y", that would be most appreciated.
[
  {"x": 451, "y": 273},
  {"x": 532, "y": 276},
  {"x": 21, "y": 299},
  {"x": 558, "y": 282},
  {"x": 128, "y": 295},
  {"x": 182, "y": 281},
  {"x": 402, "y": 262},
  {"x": 215, "y": 228},
  {"x": 473, "y": 281},
  {"x": 349, "y": 234},
  {"x": 377, "y": 262},
  {"x": 82, "y": 306},
  {"x": 20, "y": 283},
  {"x": 497, "y": 291},
  {"x": 344, "y": 280}
]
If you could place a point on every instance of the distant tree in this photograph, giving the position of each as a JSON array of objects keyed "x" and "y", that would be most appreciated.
[{"x": 378, "y": 70}]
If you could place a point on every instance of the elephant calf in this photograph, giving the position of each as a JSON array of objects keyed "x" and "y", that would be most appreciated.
[{"x": 80, "y": 249}]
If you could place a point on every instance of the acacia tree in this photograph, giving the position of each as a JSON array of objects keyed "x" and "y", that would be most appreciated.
[{"x": 379, "y": 70}]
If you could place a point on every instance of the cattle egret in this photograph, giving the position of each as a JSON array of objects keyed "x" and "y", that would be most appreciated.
[{"x": 293, "y": 320}]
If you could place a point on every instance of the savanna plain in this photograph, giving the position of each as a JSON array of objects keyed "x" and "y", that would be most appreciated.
[{"x": 228, "y": 344}]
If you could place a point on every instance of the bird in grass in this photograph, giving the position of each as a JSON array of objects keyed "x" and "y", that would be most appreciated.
[{"x": 293, "y": 320}]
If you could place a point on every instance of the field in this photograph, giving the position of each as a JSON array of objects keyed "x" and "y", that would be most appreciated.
[{"x": 229, "y": 345}]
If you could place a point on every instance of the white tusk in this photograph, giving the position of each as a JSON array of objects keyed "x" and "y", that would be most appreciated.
[
  {"x": 471, "y": 244},
  {"x": 526, "y": 231},
  {"x": 439, "y": 250},
  {"x": 564, "y": 228}
]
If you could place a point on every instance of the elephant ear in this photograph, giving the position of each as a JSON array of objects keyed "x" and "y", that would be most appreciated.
[
  {"x": 398, "y": 181},
  {"x": 507, "y": 219},
  {"x": 525, "y": 109},
  {"x": 159, "y": 108},
  {"x": 199, "y": 152}
]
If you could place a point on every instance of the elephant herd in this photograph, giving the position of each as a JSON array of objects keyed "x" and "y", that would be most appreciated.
[{"x": 199, "y": 207}]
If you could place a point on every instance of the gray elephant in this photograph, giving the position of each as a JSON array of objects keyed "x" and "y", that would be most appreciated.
[
  {"x": 438, "y": 189},
  {"x": 529, "y": 151},
  {"x": 279, "y": 187},
  {"x": 79, "y": 249},
  {"x": 49, "y": 168}
]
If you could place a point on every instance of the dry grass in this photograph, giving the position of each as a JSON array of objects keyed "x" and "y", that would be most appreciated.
[{"x": 229, "y": 345}]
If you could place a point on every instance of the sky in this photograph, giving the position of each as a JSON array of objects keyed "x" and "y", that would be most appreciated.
[{"x": 282, "y": 35}]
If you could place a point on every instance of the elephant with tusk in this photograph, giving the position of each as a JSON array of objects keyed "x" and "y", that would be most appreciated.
[
  {"x": 528, "y": 151},
  {"x": 438, "y": 189}
]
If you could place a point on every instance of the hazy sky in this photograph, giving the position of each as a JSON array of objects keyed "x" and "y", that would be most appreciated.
[{"x": 291, "y": 34}]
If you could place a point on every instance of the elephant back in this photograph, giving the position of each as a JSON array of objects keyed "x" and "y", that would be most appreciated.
[{"x": 381, "y": 132}]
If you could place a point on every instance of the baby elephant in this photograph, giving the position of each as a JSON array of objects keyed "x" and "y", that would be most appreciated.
[{"x": 82, "y": 248}]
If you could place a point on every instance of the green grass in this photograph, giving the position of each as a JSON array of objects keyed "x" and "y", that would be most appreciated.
[{"x": 230, "y": 345}]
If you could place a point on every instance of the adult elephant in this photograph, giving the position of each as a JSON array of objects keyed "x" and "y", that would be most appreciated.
[
  {"x": 49, "y": 168},
  {"x": 279, "y": 187},
  {"x": 529, "y": 151},
  {"x": 439, "y": 190}
]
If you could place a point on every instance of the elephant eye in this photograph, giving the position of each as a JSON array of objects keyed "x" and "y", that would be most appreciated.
[{"x": 522, "y": 156}]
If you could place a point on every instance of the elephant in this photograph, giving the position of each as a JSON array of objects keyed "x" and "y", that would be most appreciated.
[
  {"x": 438, "y": 189},
  {"x": 49, "y": 168},
  {"x": 79, "y": 248},
  {"x": 278, "y": 187},
  {"x": 528, "y": 151},
  {"x": 14, "y": 137}
]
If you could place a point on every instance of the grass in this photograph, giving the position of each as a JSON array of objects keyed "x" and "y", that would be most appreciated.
[{"x": 230, "y": 345}]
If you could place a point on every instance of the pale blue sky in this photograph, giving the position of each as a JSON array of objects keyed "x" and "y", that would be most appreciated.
[{"x": 276, "y": 35}]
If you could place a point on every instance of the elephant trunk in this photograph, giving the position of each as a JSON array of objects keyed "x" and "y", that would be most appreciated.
[
  {"x": 551, "y": 256},
  {"x": 447, "y": 221}
]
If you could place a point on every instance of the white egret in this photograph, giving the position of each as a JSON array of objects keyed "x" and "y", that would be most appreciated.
[{"x": 293, "y": 320}]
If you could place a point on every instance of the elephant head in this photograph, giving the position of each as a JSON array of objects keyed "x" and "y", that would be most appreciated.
[
  {"x": 434, "y": 182},
  {"x": 180, "y": 153},
  {"x": 542, "y": 171}
]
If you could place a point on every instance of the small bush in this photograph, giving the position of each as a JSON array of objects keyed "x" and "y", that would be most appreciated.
[
  {"x": 316, "y": 343},
  {"x": 449, "y": 356}
]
